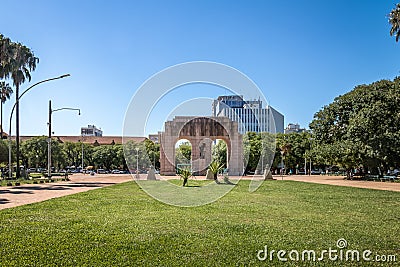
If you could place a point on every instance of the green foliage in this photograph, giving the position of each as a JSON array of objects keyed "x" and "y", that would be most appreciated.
[
  {"x": 134, "y": 151},
  {"x": 34, "y": 152},
  {"x": 219, "y": 152},
  {"x": 3, "y": 151},
  {"x": 153, "y": 152},
  {"x": 122, "y": 226},
  {"x": 73, "y": 152},
  {"x": 295, "y": 147},
  {"x": 16, "y": 61},
  {"x": 5, "y": 93},
  {"x": 361, "y": 127},
  {"x": 394, "y": 20},
  {"x": 183, "y": 153},
  {"x": 259, "y": 150},
  {"x": 252, "y": 150},
  {"x": 185, "y": 174},
  {"x": 106, "y": 156},
  {"x": 215, "y": 167}
]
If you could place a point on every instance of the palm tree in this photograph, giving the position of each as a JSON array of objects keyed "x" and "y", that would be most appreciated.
[
  {"x": 17, "y": 63},
  {"x": 394, "y": 20},
  {"x": 5, "y": 93},
  {"x": 6, "y": 54},
  {"x": 215, "y": 167},
  {"x": 185, "y": 174}
]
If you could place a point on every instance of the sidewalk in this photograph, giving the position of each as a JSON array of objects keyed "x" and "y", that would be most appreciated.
[
  {"x": 338, "y": 180},
  {"x": 12, "y": 196}
]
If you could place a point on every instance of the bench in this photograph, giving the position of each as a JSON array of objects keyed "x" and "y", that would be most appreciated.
[
  {"x": 391, "y": 178},
  {"x": 370, "y": 177}
]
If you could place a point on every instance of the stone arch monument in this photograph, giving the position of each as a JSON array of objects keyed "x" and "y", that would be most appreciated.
[{"x": 201, "y": 132}]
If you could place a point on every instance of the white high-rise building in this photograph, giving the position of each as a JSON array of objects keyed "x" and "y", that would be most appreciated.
[
  {"x": 250, "y": 115},
  {"x": 91, "y": 130}
]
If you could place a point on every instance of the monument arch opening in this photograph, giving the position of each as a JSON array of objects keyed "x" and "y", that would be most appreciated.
[
  {"x": 201, "y": 132},
  {"x": 220, "y": 152},
  {"x": 183, "y": 154}
]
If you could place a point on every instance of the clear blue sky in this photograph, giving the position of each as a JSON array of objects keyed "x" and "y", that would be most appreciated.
[{"x": 302, "y": 54}]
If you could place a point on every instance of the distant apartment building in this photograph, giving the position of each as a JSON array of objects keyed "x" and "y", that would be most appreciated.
[
  {"x": 250, "y": 114},
  {"x": 91, "y": 130},
  {"x": 294, "y": 128}
]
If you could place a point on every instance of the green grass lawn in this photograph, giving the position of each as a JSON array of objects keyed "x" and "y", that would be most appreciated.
[{"x": 122, "y": 226}]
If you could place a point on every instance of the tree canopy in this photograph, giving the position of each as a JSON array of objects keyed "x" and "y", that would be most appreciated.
[
  {"x": 394, "y": 20},
  {"x": 361, "y": 127}
]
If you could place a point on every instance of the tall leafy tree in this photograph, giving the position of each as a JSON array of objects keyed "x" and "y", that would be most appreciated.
[
  {"x": 252, "y": 150},
  {"x": 3, "y": 152},
  {"x": 17, "y": 63},
  {"x": 219, "y": 153},
  {"x": 394, "y": 20},
  {"x": 153, "y": 152},
  {"x": 34, "y": 152},
  {"x": 5, "y": 93},
  {"x": 295, "y": 147},
  {"x": 136, "y": 154},
  {"x": 73, "y": 153},
  {"x": 6, "y": 55},
  {"x": 105, "y": 156},
  {"x": 183, "y": 153},
  {"x": 361, "y": 127}
]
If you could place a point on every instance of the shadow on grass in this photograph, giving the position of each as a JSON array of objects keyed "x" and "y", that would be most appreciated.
[
  {"x": 84, "y": 184},
  {"x": 51, "y": 187}
]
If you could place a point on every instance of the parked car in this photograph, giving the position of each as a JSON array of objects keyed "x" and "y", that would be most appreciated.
[
  {"x": 316, "y": 172},
  {"x": 301, "y": 171},
  {"x": 101, "y": 171}
]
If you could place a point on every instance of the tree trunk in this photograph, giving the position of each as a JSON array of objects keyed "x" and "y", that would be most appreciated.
[
  {"x": 1, "y": 118},
  {"x": 18, "y": 174}
]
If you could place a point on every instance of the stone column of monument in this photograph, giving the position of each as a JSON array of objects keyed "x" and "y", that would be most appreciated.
[
  {"x": 167, "y": 154},
  {"x": 197, "y": 162},
  {"x": 236, "y": 153}
]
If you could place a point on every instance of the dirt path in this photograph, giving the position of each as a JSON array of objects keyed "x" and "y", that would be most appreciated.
[
  {"x": 13, "y": 196},
  {"x": 338, "y": 180}
]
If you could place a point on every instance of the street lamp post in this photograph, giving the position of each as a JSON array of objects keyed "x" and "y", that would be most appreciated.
[
  {"x": 82, "y": 155},
  {"x": 17, "y": 137},
  {"x": 262, "y": 156},
  {"x": 311, "y": 139},
  {"x": 282, "y": 153},
  {"x": 51, "y": 111},
  {"x": 137, "y": 163}
]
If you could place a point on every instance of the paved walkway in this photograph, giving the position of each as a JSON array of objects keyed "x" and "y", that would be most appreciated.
[
  {"x": 338, "y": 180},
  {"x": 12, "y": 196}
]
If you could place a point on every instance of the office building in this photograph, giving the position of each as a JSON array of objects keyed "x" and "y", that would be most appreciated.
[{"x": 250, "y": 114}]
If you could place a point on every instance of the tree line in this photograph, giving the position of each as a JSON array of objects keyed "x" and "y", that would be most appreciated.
[{"x": 34, "y": 154}]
